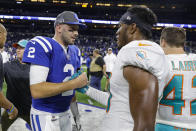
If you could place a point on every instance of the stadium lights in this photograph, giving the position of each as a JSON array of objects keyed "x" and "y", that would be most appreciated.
[
  {"x": 144, "y": 6},
  {"x": 38, "y": 1},
  {"x": 173, "y": 7},
  {"x": 79, "y": 3},
  {"x": 84, "y": 5},
  {"x": 92, "y": 21},
  {"x": 18, "y": 2},
  {"x": 63, "y": 1},
  {"x": 103, "y": 4},
  {"x": 124, "y": 5}
]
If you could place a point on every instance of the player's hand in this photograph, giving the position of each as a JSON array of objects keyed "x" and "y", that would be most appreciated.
[
  {"x": 83, "y": 89},
  {"x": 75, "y": 75},
  {"x": 80, "y": 79},
  {"x": 13, "y": 114}
]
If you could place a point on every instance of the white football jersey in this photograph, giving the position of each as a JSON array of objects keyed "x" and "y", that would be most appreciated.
[
  {"x": 143, "y": 54},
  {"x": 177, "y": 106}
]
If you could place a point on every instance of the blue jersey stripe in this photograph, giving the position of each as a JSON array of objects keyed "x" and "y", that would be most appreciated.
[
  {"x": 46, "y": 41},
  {"x": 41, "y": 43}
]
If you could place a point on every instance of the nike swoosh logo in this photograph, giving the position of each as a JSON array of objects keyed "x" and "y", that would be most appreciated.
[{"x": 140, "y": 44}]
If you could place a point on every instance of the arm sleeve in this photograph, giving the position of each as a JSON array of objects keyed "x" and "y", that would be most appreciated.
[
  {"x": 38, "y": 74},
  {"x": 100, "y": 61},
  {"x": 99, "y": 96},
  {"x": 37, "y": 52}
]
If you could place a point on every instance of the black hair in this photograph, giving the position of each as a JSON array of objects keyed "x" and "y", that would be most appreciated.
[{"x": 146, "y": 17}]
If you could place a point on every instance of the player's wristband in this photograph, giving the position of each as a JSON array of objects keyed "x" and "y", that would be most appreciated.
[{"x": 11, "y": 109}]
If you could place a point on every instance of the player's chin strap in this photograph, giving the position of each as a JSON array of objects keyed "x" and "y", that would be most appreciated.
[{"x": 76, "y": 115}]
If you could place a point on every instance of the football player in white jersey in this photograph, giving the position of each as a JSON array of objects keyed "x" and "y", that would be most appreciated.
[
  {"x": 138, "y": 75},
  {"x": 177, "y": 107}
]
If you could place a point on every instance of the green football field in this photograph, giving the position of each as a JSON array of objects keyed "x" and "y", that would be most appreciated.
[{"x": 80, "y": 97}]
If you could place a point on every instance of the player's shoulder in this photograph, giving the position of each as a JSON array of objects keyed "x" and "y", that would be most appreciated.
[
  {"x": 192, "y": 55},
  {"x": 142, "y": 48},
  {"x": 145, "y": 45},
  {"x": 46, "y": 43},
  {"x": 43, "y": 38},
  {"x": 189, "y": 56},
  {"x": 75, "y": 49}
]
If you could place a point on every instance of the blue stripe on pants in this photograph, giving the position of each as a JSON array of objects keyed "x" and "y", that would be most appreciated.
[
  {"x": 33, "y": 123},
  {"x": 38, "y": 123}
]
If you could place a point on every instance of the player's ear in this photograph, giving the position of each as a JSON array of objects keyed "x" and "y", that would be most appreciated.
[
  {"x": 58, "y": 28},
  {"x": 132, "y": 28},
  {"x": 162, "y": 43}
]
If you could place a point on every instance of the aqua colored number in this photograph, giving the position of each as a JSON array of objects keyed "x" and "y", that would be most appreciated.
[
  {"x": 193, "y": 103},
  {"x": 175, "y": 86}
]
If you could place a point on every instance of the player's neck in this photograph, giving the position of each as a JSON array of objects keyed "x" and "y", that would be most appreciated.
[
  {"x": 139, "y": 37},
  {"x": 60, "y": 41},
  {"x": 170, "y": 50}
]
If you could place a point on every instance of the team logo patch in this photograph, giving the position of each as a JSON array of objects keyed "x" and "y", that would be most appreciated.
[{"x": 141, "y": 55}]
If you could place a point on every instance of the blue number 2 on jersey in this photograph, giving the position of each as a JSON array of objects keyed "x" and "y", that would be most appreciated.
[{"x": 175, "y": 86}]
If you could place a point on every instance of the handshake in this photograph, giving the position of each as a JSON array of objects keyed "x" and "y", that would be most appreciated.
[{"x": 84, "y": 88}]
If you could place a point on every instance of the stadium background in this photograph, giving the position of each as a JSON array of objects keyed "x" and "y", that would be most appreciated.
[{"x": 99, "y": 35}]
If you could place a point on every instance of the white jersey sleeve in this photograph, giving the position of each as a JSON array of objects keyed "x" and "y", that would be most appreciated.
[
  {"x": 146, "y": 55},
  {"x": 38, "y": 74}
]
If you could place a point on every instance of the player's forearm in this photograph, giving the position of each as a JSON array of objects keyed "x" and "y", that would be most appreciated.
[
  {"x": 99, "y": 96},
  {"x": 4, "y": 102},
  {"x": 48, "y": 89}
]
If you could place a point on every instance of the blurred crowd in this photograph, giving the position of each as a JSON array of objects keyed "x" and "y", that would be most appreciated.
[{"x": 86, "y": 43}]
